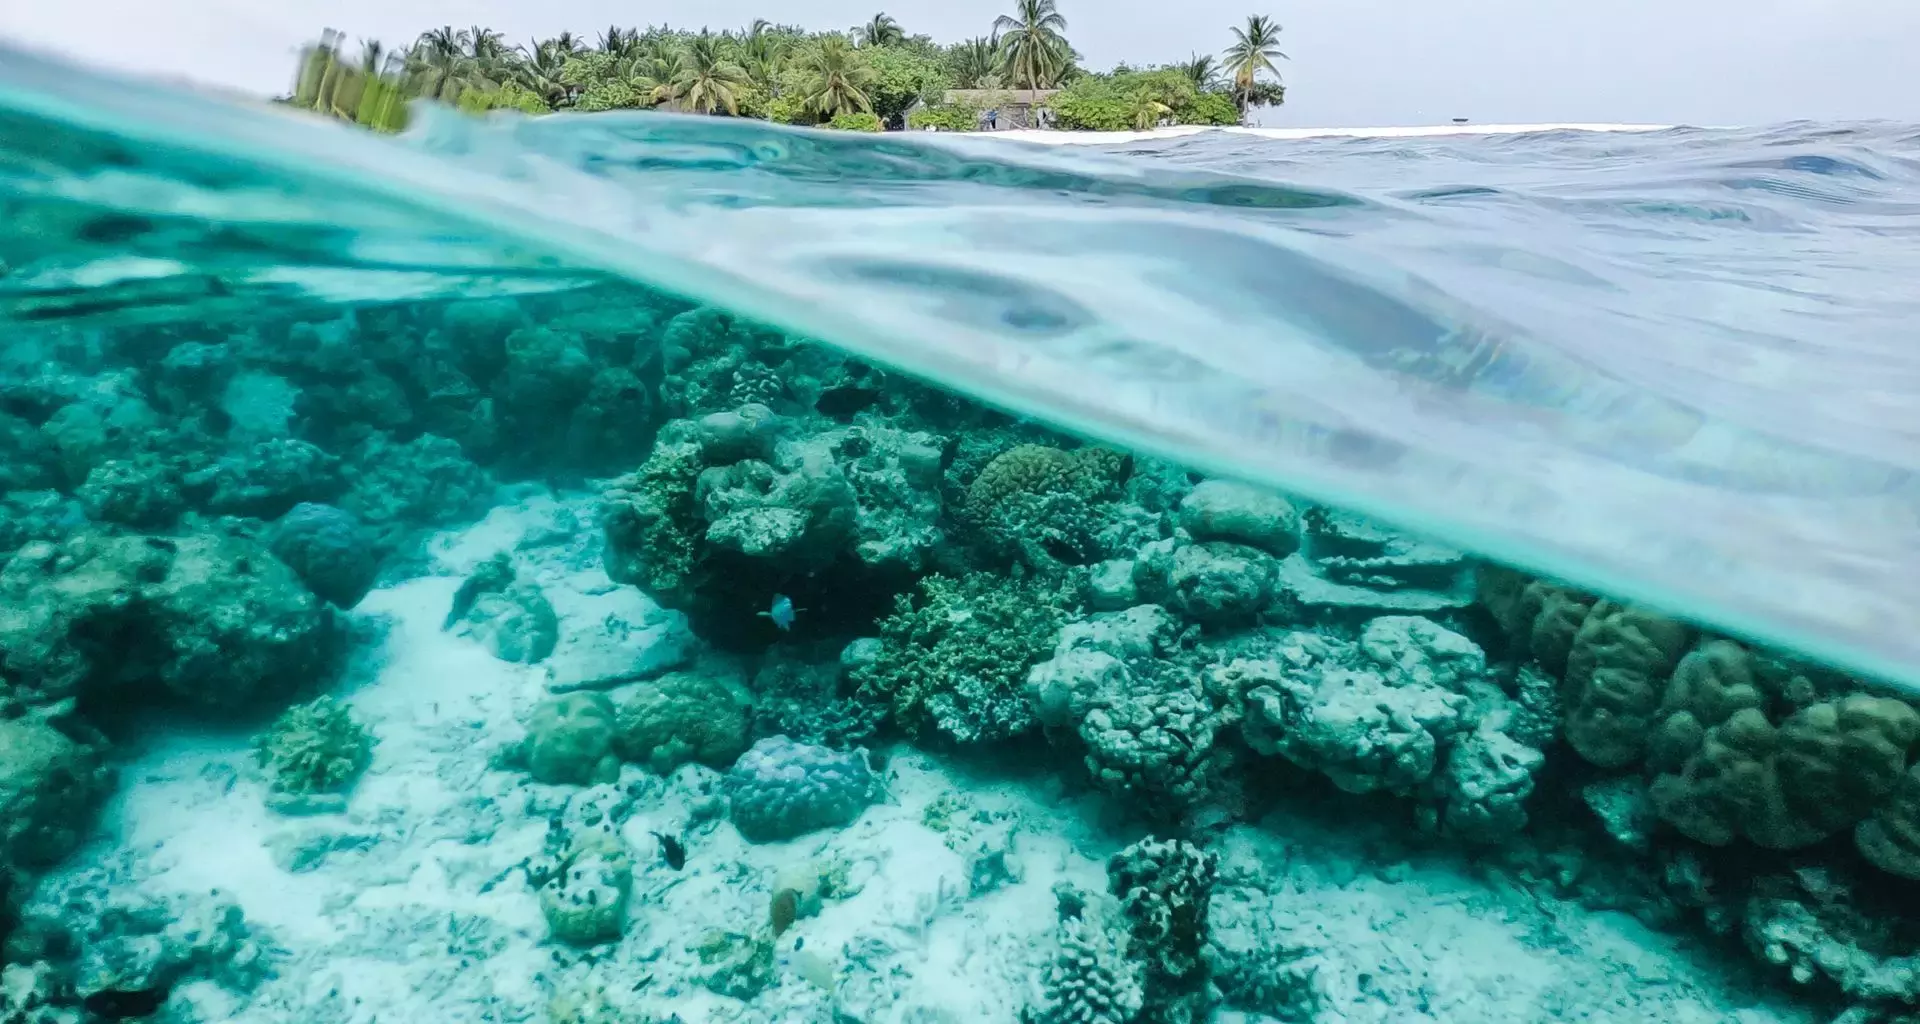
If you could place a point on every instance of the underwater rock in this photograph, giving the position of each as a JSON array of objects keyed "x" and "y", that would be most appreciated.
[
  {"x": 127, "y": 943},
  {"x": 508, "y": 616},
  {"x": 209, "y": 620},
  {"x": 50, "y": 785},
  {"x": 400, "y": 488},
  {"x": 1350, "y": 568},
  {"x": 268, "y": 480},
  {"x": 570, "y": 741},
  {"x": 1242, "y": 514},
  {"x": 330, "y": 552},
  {"x": 780, "y": 789},
  {"x": 140, "y": 492},
  {"x": 1217, "y": 584},
  {"x": 314, "y": 748},
  {"x": 700, "y": 716}
]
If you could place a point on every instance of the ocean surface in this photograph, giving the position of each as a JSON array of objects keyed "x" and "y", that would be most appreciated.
[{"x": 1675, "y": 366}]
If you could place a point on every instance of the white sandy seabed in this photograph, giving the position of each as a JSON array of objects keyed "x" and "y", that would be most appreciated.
[{"x": 408, "y": 907}]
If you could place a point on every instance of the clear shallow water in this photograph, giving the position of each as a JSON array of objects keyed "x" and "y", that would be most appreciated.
[{"x": 1672, "y": 366}]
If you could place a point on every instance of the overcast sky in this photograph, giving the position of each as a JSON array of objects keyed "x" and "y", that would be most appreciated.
[{"x": 1354, "y": 62}]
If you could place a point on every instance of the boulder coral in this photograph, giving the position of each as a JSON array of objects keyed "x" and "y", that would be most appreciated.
[
  {"x": 701, "y": 716},
  {"x": 780, "y": 789}
]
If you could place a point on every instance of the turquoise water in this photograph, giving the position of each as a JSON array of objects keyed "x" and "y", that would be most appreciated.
[
  {"x": 1667, "y": 366},
  {"x": 631, "y": 569}
]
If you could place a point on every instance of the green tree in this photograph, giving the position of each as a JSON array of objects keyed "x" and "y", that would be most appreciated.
[
  {"x": 882, "y": 30},
  {"x": 1033, "y": 45},
  {"x": 861, "y": 122},
  {"x": 974, "y": 63},
  {"x": 763, "y": 53},
  {"x": 1203, "y": 71},
  {"x": 1148, "y": 108},
  {"x": 902, "y": 76},
  {"x": 707, "y": 79},
  {"x": 834, "y": 78},
  {"x": 1253, "y": 51}
]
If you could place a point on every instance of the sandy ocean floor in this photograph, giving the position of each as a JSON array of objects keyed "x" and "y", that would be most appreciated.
[{"x": 410, "y": 908}]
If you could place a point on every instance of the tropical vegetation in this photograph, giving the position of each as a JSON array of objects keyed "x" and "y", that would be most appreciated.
[{"x": 875, "y": 76}]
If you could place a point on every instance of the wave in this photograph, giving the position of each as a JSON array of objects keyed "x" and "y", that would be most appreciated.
[{"x": 1673, "y": 364}]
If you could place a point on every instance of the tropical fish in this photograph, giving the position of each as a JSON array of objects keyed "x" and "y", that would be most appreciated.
[
  {"x": 672, "y": 851},
  {"x": 782, "y": 613}
]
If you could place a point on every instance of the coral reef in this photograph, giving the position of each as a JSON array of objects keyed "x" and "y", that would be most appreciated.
[
  {"x": 954, "y": 664},
  {"x": 195, "y": 517},
  {"x": 780, "y": 789}
]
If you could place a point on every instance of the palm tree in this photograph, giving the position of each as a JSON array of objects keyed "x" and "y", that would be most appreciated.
[
  {"x": 762, "y": 51},
  {"x": 974, "y": 63},
  {"x": 1147, "y": 109},
  {"x": 617, "y": 41},
  {"x": 538, "y": 69},
  {"x": 836, "y": 79},
  {"x": 1202, "y": 71},
  {"x": 1252, "y": 52},
  {"x": 882, "y": 30},
  {"x": 441, "y": 64},
  {"x": 1033, "y": 45},
  {"x": 653, "y": 72},
  {"x": 706, "y": 80}
]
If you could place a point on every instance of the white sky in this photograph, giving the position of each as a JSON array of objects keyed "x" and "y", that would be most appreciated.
[{"x": 1354, "y": 62}]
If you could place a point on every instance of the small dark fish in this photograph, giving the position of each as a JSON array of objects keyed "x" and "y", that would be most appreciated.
[
  {"x": 115, "y": 1004},
  {"x": 672, "y": 851}
]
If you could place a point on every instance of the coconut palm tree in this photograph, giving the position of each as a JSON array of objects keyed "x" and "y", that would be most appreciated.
[
  {"x": 1202, "y": 70},
  {"x": 882, "y": 30},
  {"x": 762, "y": 53},
  {"x": 653, "y": 72},
  {"x": 618, "y": 41},
  {"x": 1147, "y": 109},
  {"x": 538, "y": 68},
  {"x": 974, "y": 63},
  {"x": 707, "y": 80},
  {"x": 1252, "y": 52},
  {"x": 836, "y": 79},
  {"x": 441, "y": 64},
  {"x": 1033, "y": 45}
]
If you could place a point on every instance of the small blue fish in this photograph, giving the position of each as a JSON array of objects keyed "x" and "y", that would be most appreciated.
[{"x": 782, "y": 613}]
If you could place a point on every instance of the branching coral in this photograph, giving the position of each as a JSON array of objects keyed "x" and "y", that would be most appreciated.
[
  {"x": 954, "y": 663},
  {"x": 313, "y": 748}
]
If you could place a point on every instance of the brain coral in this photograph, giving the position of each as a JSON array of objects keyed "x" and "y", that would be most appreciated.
[{"x": 781, "y": 789}]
